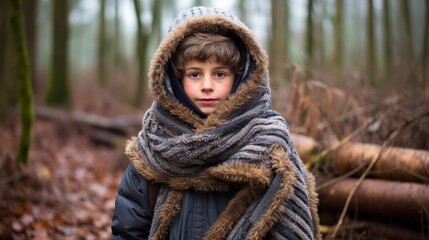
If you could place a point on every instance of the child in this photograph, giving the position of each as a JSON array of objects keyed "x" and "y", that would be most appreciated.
[{"x": 218, "y": 161}]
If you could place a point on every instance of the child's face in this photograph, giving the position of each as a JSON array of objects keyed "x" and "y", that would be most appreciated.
[{"x": 207, "y": 84}]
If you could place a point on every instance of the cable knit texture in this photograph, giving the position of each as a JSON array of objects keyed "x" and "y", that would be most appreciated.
[{"x": 243, "y": 145}]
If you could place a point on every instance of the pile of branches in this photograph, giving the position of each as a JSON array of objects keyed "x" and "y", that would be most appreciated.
[
  {"x": 371, "y": 160},
  {"x": 368, "y": 189}
]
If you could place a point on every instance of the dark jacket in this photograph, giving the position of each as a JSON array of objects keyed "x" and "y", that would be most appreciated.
[{"x": 132, "y": 218}]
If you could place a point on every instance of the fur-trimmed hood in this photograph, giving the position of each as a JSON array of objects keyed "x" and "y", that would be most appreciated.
[{"x": 213, "y": 20}]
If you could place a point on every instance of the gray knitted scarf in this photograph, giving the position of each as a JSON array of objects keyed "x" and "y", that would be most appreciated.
[
  {"x": 170, "y": 148},
  {"x": 174, "y": 149}
]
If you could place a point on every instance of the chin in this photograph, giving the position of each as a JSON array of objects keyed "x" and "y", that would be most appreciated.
[{"x": 207, "y": 112}]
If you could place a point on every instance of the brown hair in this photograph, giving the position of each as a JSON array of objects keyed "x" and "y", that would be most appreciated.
[{"x": 207, "y": 46}]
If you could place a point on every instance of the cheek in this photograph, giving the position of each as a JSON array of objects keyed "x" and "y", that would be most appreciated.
[
  {"x": 190, "y": 89},
  {"x": 225, "y": 90}
]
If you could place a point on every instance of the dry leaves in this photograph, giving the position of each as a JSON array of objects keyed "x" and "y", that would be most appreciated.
[{"x": 66, "y": 192}]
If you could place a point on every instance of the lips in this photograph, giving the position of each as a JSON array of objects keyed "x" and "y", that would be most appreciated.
[{"x": 207, "y": 101}]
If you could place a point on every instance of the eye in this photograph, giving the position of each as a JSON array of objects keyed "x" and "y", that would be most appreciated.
[
  {"x": 194, "y": 75},
  {"x": 220, "y": 75}
]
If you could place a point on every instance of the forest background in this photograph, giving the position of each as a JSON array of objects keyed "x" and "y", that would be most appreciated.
[{"x": 73, "y": 86}]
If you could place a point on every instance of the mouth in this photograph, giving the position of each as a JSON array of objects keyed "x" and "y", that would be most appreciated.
[{"x": 207, "y": 101}]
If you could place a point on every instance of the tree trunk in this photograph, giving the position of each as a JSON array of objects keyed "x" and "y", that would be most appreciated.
[
  {"x": 321, "y": 50},
  {"x": 156, "y": 33},
  {"x": 8, "y": 83},
  {"x": 30, "y": 10},
  {"x": 309, "y": 38},
  {"x": 58, "y": 92},
  {"x": 242, "y": 10},
  {"x": 379, "y": 198},
  {"x": 102, "y": 44},
  {"x": 395, "y": 163},
  {"x": 425, "y": 54},
  {"x": 371, "y": 61},
  {"x": 118, "y": 54},
  {"x": 338, "y": 46},
  {"x": 25, "y": 89},
  {"x": 286, "y": 30},
  {"x": 141, "y": 55},
  {"x": 277, "y": 42},
  {"x": 405, "y": 12},
  {"x": 387, "y": 35}
]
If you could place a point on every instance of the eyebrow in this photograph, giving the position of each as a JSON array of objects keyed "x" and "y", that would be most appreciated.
[{"x": 216, "y": 68}]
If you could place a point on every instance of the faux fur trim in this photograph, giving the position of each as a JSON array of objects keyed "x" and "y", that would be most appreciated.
[
  {"x": 232, "y": 213},
  {"x": 218, "y": 179},
  {"x": 314, "y": 201},
  {"x": 169, "y": 210},
  {"x": 283, "y": 166},
  {"x": 208, "y": 23},
  {"x": 242, "y": 173}
]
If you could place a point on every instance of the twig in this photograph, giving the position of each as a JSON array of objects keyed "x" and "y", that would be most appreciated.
[
  {"x": 391, "y": 136},
  {"x": 340, "y": 178},
  {"x": 357, "y": 112},
  {"x": 322, "y": 111},
  {"x": 361, "y": 235},
  {"x": 416, "y": 175},
  {"x": 338, "y": 144}
]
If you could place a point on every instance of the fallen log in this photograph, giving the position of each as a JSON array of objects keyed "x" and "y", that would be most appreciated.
[
  {"x": 108, "y": 139},
  {"x": 306, "y": 146},
  {"x": 385, "y": 231},
  {"x": 395, "y": 163},
  {"x": 382, "y": 198},
  {"x": 371, "y": 229},
  {"x": 117, "y": 125}
]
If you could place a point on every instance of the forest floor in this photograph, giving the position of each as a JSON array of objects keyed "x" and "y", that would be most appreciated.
[{"x": 68, "y": 189}]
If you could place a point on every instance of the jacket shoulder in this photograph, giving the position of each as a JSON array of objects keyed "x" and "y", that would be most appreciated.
[{"x": 132, "y": 217}]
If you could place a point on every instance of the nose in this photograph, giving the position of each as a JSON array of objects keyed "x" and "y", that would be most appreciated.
[{"x": 207, "y": 85}]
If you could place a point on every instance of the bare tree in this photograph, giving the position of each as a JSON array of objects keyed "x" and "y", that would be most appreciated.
[
  {"x": 338, "y": 46},
  {"x": 30, "y": 11},
  {"x": 406, "y": 20},
  {"x": 118, "y": 54},
  {"x": 141, "y": 55},
  {"x": 277, "y": 42},
  {"x": 387, "y": 34},
  {"x": 242, "y": 10},
  {"x": 320, "y": 36},
  {"x": 198, "y": 2},
  {"x": 24, "y": 74},
  {"x": 102, "y": 44},
  {"x": 425, "y": 45},
  {"x": 8, "y": 87},
  {"x": 370, "y": 54},
  {"x": 58, "y": 92},
  {"x": 157, "y": 7},
  {"x": 309, "y": 39}
]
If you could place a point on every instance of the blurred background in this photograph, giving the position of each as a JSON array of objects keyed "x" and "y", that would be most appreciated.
[
  {"x": 73, "y": 87},
  {"x": 379, "y": 44}
]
